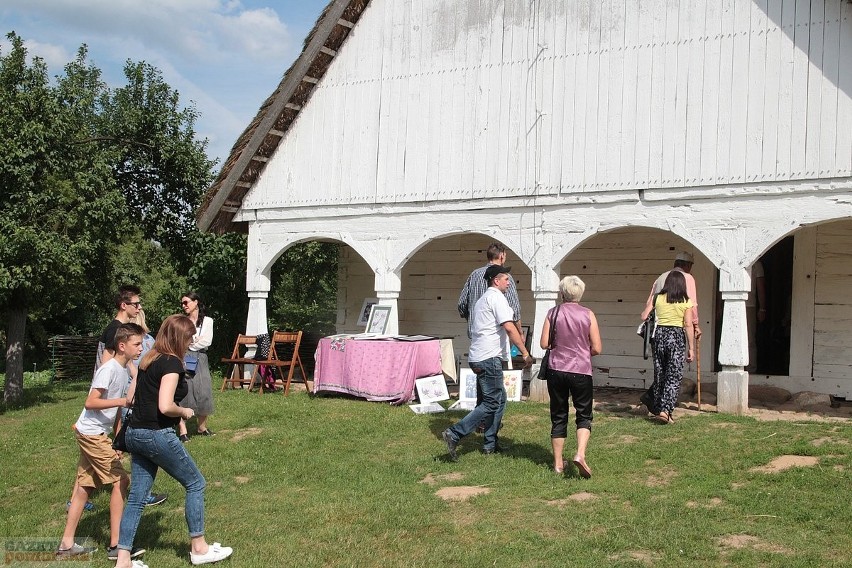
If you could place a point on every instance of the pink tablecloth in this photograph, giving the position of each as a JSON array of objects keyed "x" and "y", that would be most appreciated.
[{"x": 378, "y": 370}]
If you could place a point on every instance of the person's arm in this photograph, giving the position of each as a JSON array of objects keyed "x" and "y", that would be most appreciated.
[
  {"x": 690, "y": 328},
  {"x": 107, "y": 355},
  {"x": 544, "y": 340},
  {"x": 464, "y": 309},
  {"x": 514, "y": 302},
  {"x": 516, "y": 338},
  {"x": 166, "y": 399},
  {"x": 649, "y": 305},
  {"x": 595, "y": 343},
  {"x": 95, "y": 400},
  {"x": 204, "y": 339}
]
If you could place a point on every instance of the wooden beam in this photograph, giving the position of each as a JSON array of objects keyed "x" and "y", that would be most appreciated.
[
  {"x": 259, "y": 158},
  {"x": 345, "y": 23},
  {"x": 309, "y": 79},
  {"x": 328, "y": 51},
  {"x": 286, "y": 90},
  {"x": 278, "y": 133},
  {"x": 291, "y": 106}
]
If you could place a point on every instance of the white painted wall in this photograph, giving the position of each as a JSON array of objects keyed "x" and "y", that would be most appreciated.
[{"x": 440, "y": 99}]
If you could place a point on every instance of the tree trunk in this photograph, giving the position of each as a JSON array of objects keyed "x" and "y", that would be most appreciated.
[{"x": 15, "y": 332}]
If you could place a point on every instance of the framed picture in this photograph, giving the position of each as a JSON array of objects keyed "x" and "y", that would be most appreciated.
[
  {"x": 379, "y": 316},
  {"x": 432, "y": 389},
  {"x": 366, "y": 308},
  {"x": 513, "y": 381},
  {"x": 467, "y": 384},
  {"x": 525, "y": 334}
]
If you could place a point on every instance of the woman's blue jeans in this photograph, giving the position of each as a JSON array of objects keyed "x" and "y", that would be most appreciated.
[{"x": 151, "y": 450}]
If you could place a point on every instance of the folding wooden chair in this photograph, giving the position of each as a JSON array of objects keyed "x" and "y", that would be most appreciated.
[
  {"x": 284, "y": 352},
  {"x": 238, "y": 361}
]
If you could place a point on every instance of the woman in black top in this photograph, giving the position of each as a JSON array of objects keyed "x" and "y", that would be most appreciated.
[{"x": 153, "y": 443}]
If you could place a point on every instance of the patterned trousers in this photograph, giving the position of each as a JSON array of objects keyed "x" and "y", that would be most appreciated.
[{"x": 669, "y": 357}]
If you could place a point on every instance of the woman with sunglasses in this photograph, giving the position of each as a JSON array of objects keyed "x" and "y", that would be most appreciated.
[
  {"x": 200, "y": 395},
  {"x": 153, "y": 444}
]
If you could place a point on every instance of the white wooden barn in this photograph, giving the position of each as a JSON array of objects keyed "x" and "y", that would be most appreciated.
[{"x": 596, "y": 138}]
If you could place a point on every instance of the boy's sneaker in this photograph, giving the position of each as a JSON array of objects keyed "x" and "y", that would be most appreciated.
[
  {"x": 155, "y": 499},
  {"x": 215, "y": 553},
  {"x": 138, "y": 564},
  {"x": 74, "y": 551},
  {"x": 89, "y": 506},
  {"x": 112, "y": 552}
]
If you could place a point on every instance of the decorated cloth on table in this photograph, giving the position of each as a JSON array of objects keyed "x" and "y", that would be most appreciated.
[{"x": 378, "y": 370}]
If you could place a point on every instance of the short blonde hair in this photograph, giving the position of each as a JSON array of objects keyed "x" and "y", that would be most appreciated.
[{"x": 572, "y": 288}]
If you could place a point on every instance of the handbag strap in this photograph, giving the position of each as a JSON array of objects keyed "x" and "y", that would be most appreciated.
[{"x": 553, "y": 327}]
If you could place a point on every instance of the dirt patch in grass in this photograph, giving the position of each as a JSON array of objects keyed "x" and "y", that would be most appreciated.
[
  {"x": 581, "y": 497},
  {"x": 725, "y": 425},
  {"x": 242, "y": 434},
  {"x": 461, "y": 493},
  {"x": 242, "y": 479},
  {"x": 782, "y": 463},
  {"x": 740, "y": 541},
  {"x": 711, "y": 504},
  {"x": 642, "y": 556},
  {"x": 433, "y": 479},
  {"x": 839, "y": 467},
  {"x": 661, "y": 477}
]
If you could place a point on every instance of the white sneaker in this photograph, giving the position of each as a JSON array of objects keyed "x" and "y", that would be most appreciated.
[
  {"x": 138, "y": 564},
  {"x": 215, "y": 553}
]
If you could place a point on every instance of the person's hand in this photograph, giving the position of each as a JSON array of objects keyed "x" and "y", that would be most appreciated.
[
  {"x": 528, "y": 361},
  {"x": 118, "y": 454},
  {"x": 697, "y": 333},
  {"x": 690, "y": 356},
  {"x": 188, "y": 413}
]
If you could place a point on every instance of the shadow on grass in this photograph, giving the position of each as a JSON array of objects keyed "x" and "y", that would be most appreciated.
[
  {"x": 472, "y": 443},
  {"x": 46, "y": 393}
]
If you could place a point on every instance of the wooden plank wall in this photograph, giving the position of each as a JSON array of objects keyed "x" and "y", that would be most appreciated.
[
  {"x": 833, "y": 305},
  {"x": 446, "y": 100},
  {"x": 618, "y": 268}
]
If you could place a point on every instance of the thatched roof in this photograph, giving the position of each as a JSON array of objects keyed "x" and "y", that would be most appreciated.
[{"x": 259, "y": 140}]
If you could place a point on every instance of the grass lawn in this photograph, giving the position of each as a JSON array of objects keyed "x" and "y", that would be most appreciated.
[{"x": 302, "y": 481}]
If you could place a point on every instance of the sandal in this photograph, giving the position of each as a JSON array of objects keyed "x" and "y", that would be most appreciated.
[
  {"x": 662, "y": 418},
  {"x": 583, "y": 468}
]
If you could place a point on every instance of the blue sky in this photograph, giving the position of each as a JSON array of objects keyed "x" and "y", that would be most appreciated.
[{"x": 225, "y": 55}]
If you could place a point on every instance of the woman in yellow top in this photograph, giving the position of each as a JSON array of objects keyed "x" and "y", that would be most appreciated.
[{"x": 673, "y": 339}]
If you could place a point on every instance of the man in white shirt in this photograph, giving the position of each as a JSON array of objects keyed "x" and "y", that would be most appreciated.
[{"x": 492, "y": 328}]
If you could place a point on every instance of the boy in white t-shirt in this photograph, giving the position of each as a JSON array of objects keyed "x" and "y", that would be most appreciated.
[{"x": 99, "y": 463}]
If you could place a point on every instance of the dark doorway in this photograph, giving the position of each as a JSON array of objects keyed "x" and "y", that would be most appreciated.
[{"x": 773, "y": 334}]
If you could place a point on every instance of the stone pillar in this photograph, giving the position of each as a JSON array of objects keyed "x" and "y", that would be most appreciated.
[
  {"x": 732, "y": 387},
  {"x": 388, "y": 286},
  {"x": 545, "y": 293}
]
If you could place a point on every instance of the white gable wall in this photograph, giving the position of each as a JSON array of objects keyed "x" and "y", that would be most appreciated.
[{"x": 447, "y": 100}]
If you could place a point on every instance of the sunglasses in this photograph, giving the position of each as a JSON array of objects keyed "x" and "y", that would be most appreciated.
[{"x": 185, "y": 302}]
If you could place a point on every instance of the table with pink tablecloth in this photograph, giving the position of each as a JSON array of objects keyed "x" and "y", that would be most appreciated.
[{"x": 375, "y": 369}]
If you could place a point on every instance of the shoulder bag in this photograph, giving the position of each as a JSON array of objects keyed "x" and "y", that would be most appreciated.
[
  {"x": 647, "y": 328},
  {"x": 120, "y": 441},
  {"x": 545, "y": 361}
]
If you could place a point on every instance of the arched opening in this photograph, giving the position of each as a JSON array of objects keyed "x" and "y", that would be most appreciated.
[
  {"x": 433, "y": 278},
  {"x": 619, "y": 267}
]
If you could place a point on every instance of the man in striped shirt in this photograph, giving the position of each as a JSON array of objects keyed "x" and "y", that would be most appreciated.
[{"x": 476, "y": 286}]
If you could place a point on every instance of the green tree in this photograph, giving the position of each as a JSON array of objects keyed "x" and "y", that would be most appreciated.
[
  {"x": 304, "y": 288},
  {"x": 81, "y": 167},
  {"x": 58, "y": 203}
]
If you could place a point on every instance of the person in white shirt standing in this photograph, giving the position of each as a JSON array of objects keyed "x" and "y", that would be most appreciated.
[{"x": 492, "y": 330}]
